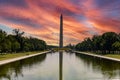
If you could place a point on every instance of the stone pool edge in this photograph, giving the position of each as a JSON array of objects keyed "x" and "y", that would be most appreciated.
[
  {"x": 99, "y": 56},
  {"x": 20, "y": 58}
]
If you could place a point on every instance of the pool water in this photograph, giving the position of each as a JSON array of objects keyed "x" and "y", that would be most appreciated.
[{"x": 61, "y": 66}]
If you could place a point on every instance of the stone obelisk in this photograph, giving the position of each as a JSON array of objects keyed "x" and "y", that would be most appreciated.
[{"x": 61, "y": 32}]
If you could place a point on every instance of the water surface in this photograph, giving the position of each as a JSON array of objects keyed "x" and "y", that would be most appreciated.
[{"x": 68, "y": 66}]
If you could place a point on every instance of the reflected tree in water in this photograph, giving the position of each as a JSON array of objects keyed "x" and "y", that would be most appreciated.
[
  {"x": 15, "y": 68},
  {"x": 108, "y": 68}
]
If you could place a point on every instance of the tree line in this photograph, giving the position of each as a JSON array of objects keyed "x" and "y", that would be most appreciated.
[
  {"x": 16, "y": 42},
  {"x": 107, "y": 43}
]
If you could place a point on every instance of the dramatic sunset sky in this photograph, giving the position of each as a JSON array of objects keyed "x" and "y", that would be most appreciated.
[{"x": 40, "y": 18}]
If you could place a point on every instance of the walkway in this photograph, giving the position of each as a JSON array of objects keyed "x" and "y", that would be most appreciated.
[
  {"x": 20, "y": 58},
  {"x": 99, "y": 56}
]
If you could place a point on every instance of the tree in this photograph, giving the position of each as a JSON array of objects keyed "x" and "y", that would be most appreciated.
[
  {"x": 17, "y": 42},
  {"x": 3, "y": 35},
  {"x": 98, "y": 43},
  {"x": 6, "y": 45},
  {"x": 116, "y": 46},
  {"x": 18, "y": 35},
  {"x": 15, "y": 46},
  {"x": 109, "y": 38},
  {"x": 106, "y": 43},
  {"x": 37, "y": 44}
]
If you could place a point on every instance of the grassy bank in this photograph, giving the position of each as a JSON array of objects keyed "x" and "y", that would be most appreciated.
[
  {"x": 117, "y": 56},
  {"x": 15, "y": 55},
  {"x": 113, "y": 56}
]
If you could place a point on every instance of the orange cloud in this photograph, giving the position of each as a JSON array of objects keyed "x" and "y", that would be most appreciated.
[{"x": 82, "y": 18}]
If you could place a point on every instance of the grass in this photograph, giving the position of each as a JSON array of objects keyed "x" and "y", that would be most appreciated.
[
  {"x": 57, "y": 49},
  {"x": 15, "y": 55},
  {"x": 117, "y": 56}
]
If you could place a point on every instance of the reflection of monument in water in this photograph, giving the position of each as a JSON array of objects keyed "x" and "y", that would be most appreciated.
[
  {"x": 61, "y": 46},
  {"x": 60, "y": 65}
]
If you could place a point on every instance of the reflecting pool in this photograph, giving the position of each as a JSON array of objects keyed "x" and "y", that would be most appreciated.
[{"x": 61, "y": 66}]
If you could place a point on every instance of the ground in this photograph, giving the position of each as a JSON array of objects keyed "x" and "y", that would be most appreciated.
[
  {"x": 14, "y": 55},
  {"x": 113, "y": 56}
]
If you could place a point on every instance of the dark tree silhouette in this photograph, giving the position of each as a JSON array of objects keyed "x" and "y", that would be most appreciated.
[
  {"x": 18, "y": 35},
  {"x": 108, "y": 42},
  {"x": 18, "y": 43}
]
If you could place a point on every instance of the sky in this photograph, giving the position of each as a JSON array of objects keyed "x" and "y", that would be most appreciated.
[{"x": 41, "y": 18}]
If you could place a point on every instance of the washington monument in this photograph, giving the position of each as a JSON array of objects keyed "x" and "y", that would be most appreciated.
[{"x": 61, "y": 32}]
